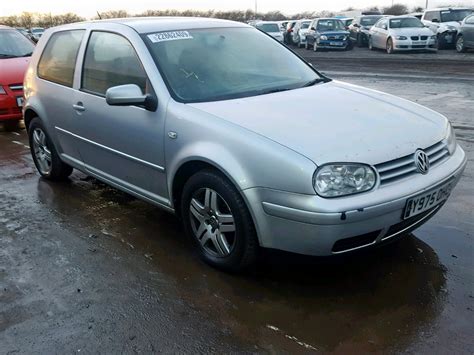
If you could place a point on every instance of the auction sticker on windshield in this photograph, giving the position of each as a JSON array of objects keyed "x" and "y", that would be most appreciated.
[{"x": 169, "y": 36}]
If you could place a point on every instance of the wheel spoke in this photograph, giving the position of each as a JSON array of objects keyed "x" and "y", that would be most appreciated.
[
  {"x": 42, "y": 138},
  {"x": 205, "y": 237},
  {"x": 47, "y": 154},
  {"x": 36, "y": 138},
  {"x": 227, "y": 228},
  {"x": 197, "y": 210},
  {"x": 211, "y": 199},
  {"x": 201, "y": 230},
  {"x": 220, "y": 243}
]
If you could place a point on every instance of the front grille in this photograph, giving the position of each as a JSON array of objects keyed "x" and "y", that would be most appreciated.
[
  {"x": 404, "y": 167},
  {"x": 335, "y": 38},
  {"x": 424, "y": 38},
  {"x": 415, "y": 38},
  {"x": 412, "y": 223},
  {"x": 347, "y": 244},
  {"x": 16, "y": 87}
]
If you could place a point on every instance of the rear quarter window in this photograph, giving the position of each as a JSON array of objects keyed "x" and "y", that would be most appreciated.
[{"x": 58, "y": 60}]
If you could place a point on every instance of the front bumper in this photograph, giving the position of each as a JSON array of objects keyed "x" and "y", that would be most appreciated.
[
  {"x": 311, "y": 225},
  {"x": 9, "y": 108},
  {"x": 410, "y": 45},
  {"x": 336, "y": 44},
  {"x": 447, "y": 37}
]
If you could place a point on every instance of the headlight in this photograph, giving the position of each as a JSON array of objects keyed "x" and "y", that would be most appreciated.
[
  {"x": 335, "y": 180},
  {"x": 2, "y": 90},
  {"x": 401, "y": 38},
  {"x": 451, "y": 140},
  {"x": 323, "y": 38}
]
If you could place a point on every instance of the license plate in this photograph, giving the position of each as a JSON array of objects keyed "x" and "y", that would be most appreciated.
[
  {"x": 336, "y": 43},
  {"x": 418, "y": 42},
  {"x": 427, "y": 200},
  {"x": 19, "y": 101}
]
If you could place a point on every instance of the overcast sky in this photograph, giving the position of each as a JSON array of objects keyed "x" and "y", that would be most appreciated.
[{"x": 88, "y": 8}]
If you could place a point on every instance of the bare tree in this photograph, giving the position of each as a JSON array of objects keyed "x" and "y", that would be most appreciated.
[{"x": 395, "y": 9}]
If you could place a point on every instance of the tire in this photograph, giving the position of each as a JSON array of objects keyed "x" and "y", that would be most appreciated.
[
  {"x": 460, "y": 45},
  {"x": 44, "y": 154},
  {"x": 389, "y": 47},
  {"x": 371, "y": 46},
  {"x": 360, "y": 42},
  {"x": 11, "y": 125},
  {"x": 234, "y": 249}
]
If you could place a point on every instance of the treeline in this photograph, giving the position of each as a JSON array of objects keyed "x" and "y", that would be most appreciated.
[{"x": 28, "y": 19}]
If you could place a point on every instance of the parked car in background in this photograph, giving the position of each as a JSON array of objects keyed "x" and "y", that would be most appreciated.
[
  {"x": 15, "y": 52},
  {"x": 445, "y": 23},
  {"x": 327, "y": 33},
  {"x": 418, "y": 15},
  {"x": 25, "y": 32},
  {"x": 288, "y": 34},
  {"x": 36, "y": 33},
  {"x": 345, "y": 20},
  {"x": 465, "y": 37},
  {"x": 212, "y": 141},
  {"x": 283, "y": 25},
  {"x": 360, "y": 27},
  {"x": 272, "y": 28},
  {"x": 299, "y": 32},
  {"x": 401, "y": 33}
]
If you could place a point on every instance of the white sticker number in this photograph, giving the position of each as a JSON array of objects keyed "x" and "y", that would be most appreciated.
[{"x": 169, "y": 36}]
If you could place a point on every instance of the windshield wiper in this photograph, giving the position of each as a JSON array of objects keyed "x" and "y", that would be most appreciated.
[
  {"x": 26, "y": 55},
  {"x": 314, "y": 82},
  {"x": 7, "y": 56}
]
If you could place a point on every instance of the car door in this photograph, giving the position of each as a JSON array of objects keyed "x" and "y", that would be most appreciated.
[
  {"x": 383, "y": 32},
  {"x": 354, "y": 28},
  {"x": 468, "y": 31},
  {"x": 376, "y": 34},
  {"x": 123, "y": 145},
  {"x": 56, "y": 70}
]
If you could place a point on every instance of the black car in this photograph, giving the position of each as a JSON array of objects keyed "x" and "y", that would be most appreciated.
[
  {"x": 359, "y": 29},
  {"x": 288, "y": 34},
  {"x": 465, "y": 37}
]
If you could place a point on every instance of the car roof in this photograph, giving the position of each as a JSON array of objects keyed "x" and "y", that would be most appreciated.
[
  {"x": 401, "y": 16},
  {"x": 162, "y": 23},
  {"x": 2, "y": 27},
  {"x": 449, "y": 8}
]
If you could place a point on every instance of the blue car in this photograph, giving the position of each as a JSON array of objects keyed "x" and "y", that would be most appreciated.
[{"x": 327, "y": 33}]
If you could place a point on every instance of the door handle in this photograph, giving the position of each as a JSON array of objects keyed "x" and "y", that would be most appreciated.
[{"x": 78, "y": 107}]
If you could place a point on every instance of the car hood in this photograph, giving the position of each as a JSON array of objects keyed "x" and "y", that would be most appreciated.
[
  {"x": 12, "y": 70},
  {"x": 423, "y": 31},
  {"x": 336, "y": 122}
]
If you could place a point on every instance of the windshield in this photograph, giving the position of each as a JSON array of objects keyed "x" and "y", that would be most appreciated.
[
  {"x": 268, "y": 27},
  {"x": 13, "y": 44},
  {"x": 305, "y": 25},
  {"x": 330, "y": 25},
  {"x": 369, "y": 21},
  {"x": 454, "y": 15},
  {"x": 201, "y": 65},
  {"x": 406, "y": 23},
  {"x": 37, "y": 30}
]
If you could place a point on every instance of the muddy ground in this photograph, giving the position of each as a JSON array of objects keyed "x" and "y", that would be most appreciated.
[{"x": 86, "y": 268}]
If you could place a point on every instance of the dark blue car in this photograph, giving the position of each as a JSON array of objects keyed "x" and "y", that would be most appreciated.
[{"x": 327, "y": 33}]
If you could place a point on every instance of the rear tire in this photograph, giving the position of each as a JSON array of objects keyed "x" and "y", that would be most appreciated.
[
  {"x": 44, "y": 154},
  {"x": 216, "y": 218},
  {"x": 390, "y": 46},
  {"x": 460, "y": 45}
]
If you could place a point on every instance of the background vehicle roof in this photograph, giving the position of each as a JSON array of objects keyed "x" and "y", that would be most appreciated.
[
  {"x": 448, "y": 8},
  {"x": 157, "y": 24}
]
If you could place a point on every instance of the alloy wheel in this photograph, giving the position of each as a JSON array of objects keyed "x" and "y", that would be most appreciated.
[
  {"x": 212, "y": 222},
  {"x": 460, "y": 44},
  {"x": 42, "y": 151}
]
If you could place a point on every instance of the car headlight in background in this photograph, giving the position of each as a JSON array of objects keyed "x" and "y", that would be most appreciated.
[
  {"x": 401, "y": 38},
  {"x": 334, "y": 180},
  {"x": 2, "y": 90},
  {"x": 451, "y": 140},
  {"x": 323, "y": 38}
]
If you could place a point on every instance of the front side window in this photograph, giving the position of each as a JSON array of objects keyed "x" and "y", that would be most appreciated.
[
  {"x": 330, "y": 25},
  {"x": 13, "y": 45},
  {"x": 406, "y": 23},
  {"x": 202, "y": 65},
  {"x": 58, "y": 60},
  {"x": 432, "y": 15},
  {"x": 305, "y": 25},
  {"x": 454, "y": 15},
  {"x": 369, "y": 21},
  {"x": 470, "y": 20},
  {"x": 110, "y": 61}
]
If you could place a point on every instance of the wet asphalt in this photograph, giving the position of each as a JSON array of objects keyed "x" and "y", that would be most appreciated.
[{"x": 86, "y": 268}]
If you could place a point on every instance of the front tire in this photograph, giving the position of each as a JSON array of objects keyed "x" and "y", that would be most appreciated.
[
  {"x": 390, "y": 46},
  {"x": 460, "y": 45},
  {"x": 216, "y": 218},
  {"x": 44, "y": 154}
]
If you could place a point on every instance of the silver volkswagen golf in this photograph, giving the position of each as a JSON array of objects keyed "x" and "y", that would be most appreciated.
[{"x": 246, "y": 142}]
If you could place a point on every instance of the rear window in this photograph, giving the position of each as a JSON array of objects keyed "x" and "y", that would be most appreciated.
[{"x": 58, "y": 60}]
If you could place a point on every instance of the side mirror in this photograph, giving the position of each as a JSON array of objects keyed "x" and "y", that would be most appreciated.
[
  {"x": 355, "y": 25},
  {"x": 129, "y": 95},
  {"x": 312, "y": 29},
  {"x": 384, "y": 27}
]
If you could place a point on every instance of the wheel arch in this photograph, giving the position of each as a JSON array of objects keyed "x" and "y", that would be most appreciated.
[{"x": 28, "y": 117}]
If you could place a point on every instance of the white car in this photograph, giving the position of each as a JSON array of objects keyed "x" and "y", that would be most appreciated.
[
  {"x": 299, "y": 32},
  {"x": 272, "y": 28},
  {"x": 445, "y": 23},
  {"x": 401, "y": 33}
]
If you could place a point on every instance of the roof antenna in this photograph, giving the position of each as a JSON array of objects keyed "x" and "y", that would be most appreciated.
[{"x": 98, "y": 14}]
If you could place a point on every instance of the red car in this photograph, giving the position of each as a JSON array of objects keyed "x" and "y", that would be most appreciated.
[{"x": 15, "y": 53}]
